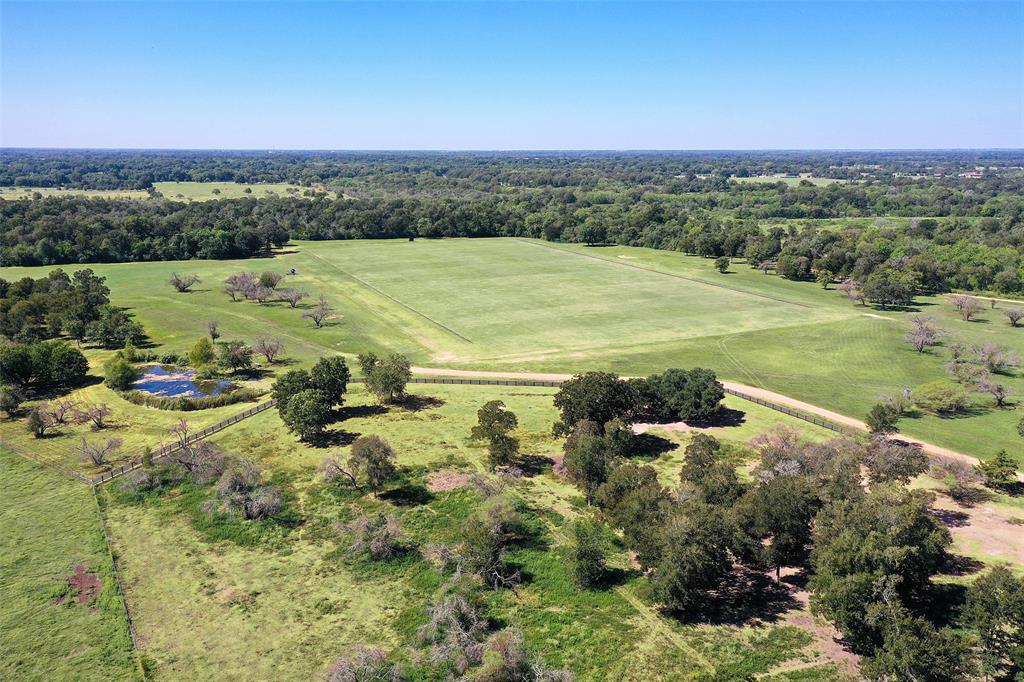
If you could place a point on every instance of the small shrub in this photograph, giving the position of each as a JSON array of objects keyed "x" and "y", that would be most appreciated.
[{"x": 940, "y": 397}]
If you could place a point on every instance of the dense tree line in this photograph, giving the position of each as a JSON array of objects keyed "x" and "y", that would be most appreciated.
[
  {"x": 965, "y": 232},
  {"x": 114, "y": 169}
]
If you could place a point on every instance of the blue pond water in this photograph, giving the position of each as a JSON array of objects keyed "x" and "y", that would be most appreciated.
[{"x": 174, "y": 383}]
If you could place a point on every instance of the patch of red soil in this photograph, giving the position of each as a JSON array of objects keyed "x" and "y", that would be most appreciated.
[
  {"x": 558, "y": 466},
  {"x": 440, "y": 481},
  {"x": 87, "y": 585}
]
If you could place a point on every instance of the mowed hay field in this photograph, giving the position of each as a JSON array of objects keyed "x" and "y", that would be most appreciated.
[
  {"x": 513, "y": 304},
  {"x": 285, "y": 603},
  {"x": 49, "y": 630},
  {"x": 207, "y": 191}
]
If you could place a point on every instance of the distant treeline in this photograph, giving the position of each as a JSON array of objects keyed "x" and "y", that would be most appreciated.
[
  {"x": 966, "y": 253},
  {"x": 486, "y": 171},
  {"x": 966, "y": 232}
]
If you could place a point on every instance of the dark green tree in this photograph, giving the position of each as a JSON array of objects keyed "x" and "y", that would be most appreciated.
[
  {"x": 694, "y": 558},
  {"x": 330, "y": 376},
  {"x": 386, "y": 377},
  {"x": 995, "y": 609},
  {"x": 1000, "y": 472},
  {"x": 589, "y": 553},
  {"x": 287, "y": 385},
  {"x": 598, "y": 397},
  {"x": 307, "y": 413}
]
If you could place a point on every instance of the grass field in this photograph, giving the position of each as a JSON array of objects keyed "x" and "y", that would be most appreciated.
[
  {"x": 50, "y": 525},
  {"x": 285, "y": 606},
  {"x": 208, "y": 191},
  {"x": 507, "y": 304},
  {"x": 789, "y": 180},
  {"x": 13, "y": 193},
  {"x": 175, "y": 191}
]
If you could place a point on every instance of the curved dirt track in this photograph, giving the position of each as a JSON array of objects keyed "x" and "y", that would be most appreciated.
[{"x": 742, "y": 388}]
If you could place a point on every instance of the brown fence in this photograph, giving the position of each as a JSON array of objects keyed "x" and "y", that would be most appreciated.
[
  {"x": 814, "y": 419},
  {"x": 167, "y": 449}
]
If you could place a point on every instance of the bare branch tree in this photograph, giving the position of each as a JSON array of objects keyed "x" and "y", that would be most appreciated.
[
  {"x": 969, "y": 308},
  {"x": 291, "y": 296},
  {"x": 365, "y": 664},
  {"x": 213, "y": 329},
  {"x": 995, "y": 358},
  {"x": 183, "y": 284},
  {"x": 271, "y": 349},
  {"x": 1014, "y": 315},
  {"x": 238, "y": 284},
  {"x": 320, "y": 312},
  {"x": 334, "y": 467},
  {"x": 62, "y": 411},
  {"x": 997, "y": 390},
  {"x": 97, "y": 414},
  {"x": 923, "y": 333},
  {"x": 97, "y": 453}
]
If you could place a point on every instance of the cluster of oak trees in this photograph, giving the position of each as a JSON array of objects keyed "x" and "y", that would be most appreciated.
[
  {"x": 76, "y": 306},
  {"x": 870, "y": 550}
]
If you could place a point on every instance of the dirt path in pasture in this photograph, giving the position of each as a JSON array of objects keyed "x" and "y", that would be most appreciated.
[{"x": 754, "y": 391}]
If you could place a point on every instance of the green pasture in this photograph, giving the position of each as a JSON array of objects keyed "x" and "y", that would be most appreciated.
[
  {"x": 12, "y": 193},
  {"x": 285, "y": 605},
  {"x": 511, "y": 304},
  {"x": 789, "y": 180},
  {"x": 50, "y": 525},
  {"x": 208, "y": 191}
]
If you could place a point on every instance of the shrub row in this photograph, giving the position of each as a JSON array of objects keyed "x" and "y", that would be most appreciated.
[{"x": 187, "y": 404}]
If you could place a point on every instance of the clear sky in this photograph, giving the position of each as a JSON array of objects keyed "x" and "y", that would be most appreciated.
[{"x": 490, "y": 75}]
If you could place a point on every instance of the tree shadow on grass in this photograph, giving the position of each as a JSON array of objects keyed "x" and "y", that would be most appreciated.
[
  {"x": 335, "y": 439},
  {"x": 415, "y": 403},
  {"x": 650, "y": 445},
  {"x": 952, "y": 518},
  {"x": 409, "y": 494},
  {"x": 725, "y": 417},
  {"x": 958, "y": 564},
  {"x": 533, "y": 465},
  {"x": 359, "y": 411}
]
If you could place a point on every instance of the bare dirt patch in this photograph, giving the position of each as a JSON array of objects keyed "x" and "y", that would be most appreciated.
[
  {"x": 681, "y": 427},
  {"x": 440, "y": 481},
  {"x": 87, "y": 586},
  {"x": 558, "y": 466},
  {"x": 983, "y": 528}
]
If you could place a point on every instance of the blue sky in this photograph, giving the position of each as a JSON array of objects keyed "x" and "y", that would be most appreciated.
[{"x": 683, "y": 75}]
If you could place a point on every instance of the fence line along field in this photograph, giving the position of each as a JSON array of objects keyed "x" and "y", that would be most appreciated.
[{"x": 515, "y": 304}]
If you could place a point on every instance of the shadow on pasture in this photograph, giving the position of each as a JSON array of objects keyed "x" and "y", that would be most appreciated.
[
  {"x": 533, "y": 465},
  {"x": 335, "y": 439},
  {"x": 958, "y": 564},
  {"x": 725, "y": 417},
  {"x": 952, "y": 518},
  {"x": 415, "y": 403},
  {"x": 410, "y": 494},
  {"x": 359, "y": 411},
  {"x": 650, "y": 445}
]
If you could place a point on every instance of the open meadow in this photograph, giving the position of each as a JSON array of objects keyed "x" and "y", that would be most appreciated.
[
  {"x": 61, "y": 617},
  {"x": 283, "y": 601},
  {"x": 524, "y": 305}
]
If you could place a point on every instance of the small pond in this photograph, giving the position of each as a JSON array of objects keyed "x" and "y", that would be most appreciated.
[{"x": 173, "y": 382}]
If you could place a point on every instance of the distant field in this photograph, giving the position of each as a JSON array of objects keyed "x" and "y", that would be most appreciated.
[
  {"x": 180, "y": 191},
  {"x": 208, "y": 191},
  {"x": 51, "y": 525},
  {"x": 789, "y": 180},
  {"x": 13, "y": 193},
  {"x": 529, "y": 305}
]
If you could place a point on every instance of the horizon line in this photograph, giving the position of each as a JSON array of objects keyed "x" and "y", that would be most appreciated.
[{"x": 441, "y": 150}]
